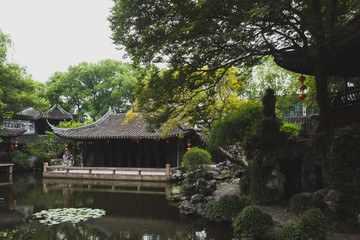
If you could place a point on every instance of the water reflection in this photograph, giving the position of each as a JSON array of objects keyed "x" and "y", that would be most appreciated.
[{"x": 134, "y": 210}]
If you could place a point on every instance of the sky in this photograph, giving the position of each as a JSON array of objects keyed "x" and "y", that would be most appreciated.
[{"x": 50, "y": 35}]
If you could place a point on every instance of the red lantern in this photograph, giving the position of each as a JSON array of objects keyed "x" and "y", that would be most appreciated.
[
  {"x": 138, "y": 141},
  {"x": 108, "y": 141},
  {"x": 66, "y": 149},
  {"x": 302, "y": 96},
  {"x": 302, "y": 78},
  {"x": 167, "y": 141},
  {"x": 12, "y": 146},
  {"x": 302, "y": 87},
  {"x": 82, "y": 141}
]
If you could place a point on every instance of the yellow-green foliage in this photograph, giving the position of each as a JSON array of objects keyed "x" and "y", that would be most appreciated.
[
  {"x": 130, "y": 115},
  {"x": 74, "y": 124}
]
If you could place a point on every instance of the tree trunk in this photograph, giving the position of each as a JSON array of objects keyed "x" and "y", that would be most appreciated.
[
  {"x": 325, "y": 128},
  {"x": 233, "y": 159}
]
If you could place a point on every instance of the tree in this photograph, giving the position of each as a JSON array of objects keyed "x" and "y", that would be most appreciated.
[
  {"x": 17, "y": 87},
  {"x": 219, "y": 34},
  {"x": 165, "y": 96},
  {"x": 92, "y": 88}
]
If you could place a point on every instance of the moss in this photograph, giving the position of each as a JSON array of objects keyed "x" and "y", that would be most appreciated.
[
  {"x": 252, "y": 223},
  {"x": 174, "y": 194},
  {"x": 225, "y": 209}
]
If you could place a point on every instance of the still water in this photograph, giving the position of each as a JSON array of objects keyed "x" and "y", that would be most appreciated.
[{"x": 134, "y": 210}]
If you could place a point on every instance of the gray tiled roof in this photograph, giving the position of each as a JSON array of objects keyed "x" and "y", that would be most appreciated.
[
  {"x": 56, "y": 113},
  {"x": 114, "y": 126}
]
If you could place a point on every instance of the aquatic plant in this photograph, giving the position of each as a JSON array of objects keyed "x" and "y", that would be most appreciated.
[{"x": 73, "y": 215}]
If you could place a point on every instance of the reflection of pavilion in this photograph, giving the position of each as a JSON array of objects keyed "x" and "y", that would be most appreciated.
[
  {"x": 105, "y": 186},
  {"x": 10, "y": 182},
  {"x": 137, "y": 227}
]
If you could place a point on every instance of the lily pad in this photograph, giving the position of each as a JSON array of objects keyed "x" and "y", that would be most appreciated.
[{"x": 73, "y": 215}]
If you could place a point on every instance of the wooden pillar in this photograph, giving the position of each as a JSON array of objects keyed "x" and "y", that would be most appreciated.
[
  {"x": 147, "y": 152},
  {"x": 129, "y": 154},
  {"x": 167, "y": 170},
  {"x": 158, "y": 149},
  {"x": 138, "y": 149},
  {"x": 45, "y": 167}
]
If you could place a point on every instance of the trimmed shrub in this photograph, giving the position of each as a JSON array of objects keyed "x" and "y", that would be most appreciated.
[
  {"x": 225, "y": 209},
  {"x": 196, "y": 157},
  {"x": 287, "y": 232},
  {"x": 21, "y": 161},
  {"x": 252, "y": 223},
  {"x": 312, "y": 225},
  {"x": 302, "y": 202}
]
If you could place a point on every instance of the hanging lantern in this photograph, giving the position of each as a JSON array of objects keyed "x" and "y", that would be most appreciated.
[
  {"x": 302, "y": 96},
  {"x": 66, "y": 146},
  {"x": 302, "y": 78},
  {"x": 108, "y": 141},
  {"x": 12, "y": 146},
  {"x": 167, "y": 141},
  {"x": 188, "y": 144},
  {"x": 138, "y": 141},
  {"x": 302, "y": 87},
  {"x": 82, "y": 141},
  {"x": 16, "y": 142}
]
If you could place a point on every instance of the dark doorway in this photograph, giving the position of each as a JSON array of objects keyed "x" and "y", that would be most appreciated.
[{"x": 292, "y": 172}]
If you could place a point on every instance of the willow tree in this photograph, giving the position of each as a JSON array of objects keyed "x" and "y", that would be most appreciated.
[{"x": 219, "y": 34}]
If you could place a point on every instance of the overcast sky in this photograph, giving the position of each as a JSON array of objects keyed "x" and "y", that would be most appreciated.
[{"x": 51, "y": 35}]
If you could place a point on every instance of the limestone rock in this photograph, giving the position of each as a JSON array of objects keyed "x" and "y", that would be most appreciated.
[
  {"x": 332, "y": 198},
  {"x": 196, "y": 198}
]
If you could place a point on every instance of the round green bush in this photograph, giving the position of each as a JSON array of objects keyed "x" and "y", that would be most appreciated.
[
  {"x": 252, "y": 223},
  {"x": 21, "y": 161},
  {"x": 196, "y": 157},
  {"x": 225, "y": 208},
  {"x": 312, "y": 225},
  {"x": 301, "y": 202}
]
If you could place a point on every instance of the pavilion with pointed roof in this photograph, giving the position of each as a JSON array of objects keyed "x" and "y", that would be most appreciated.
[
  {"x": 54, "y": 116},
  {"x": 116, "y": 140}
]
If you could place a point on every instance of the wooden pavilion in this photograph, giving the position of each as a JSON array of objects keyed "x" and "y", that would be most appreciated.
[
  {"x": 345, "y": 104},
  {"x": 119, "y": 141},
  {"x": 8, "y": 137},
  {"x": 54, "y": 115}
]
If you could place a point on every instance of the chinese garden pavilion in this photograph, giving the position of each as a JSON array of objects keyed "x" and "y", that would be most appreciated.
[{"x": 119, "y": 141}]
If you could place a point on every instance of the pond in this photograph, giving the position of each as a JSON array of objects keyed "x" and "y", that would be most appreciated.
[{"x": 134, "y": 210}]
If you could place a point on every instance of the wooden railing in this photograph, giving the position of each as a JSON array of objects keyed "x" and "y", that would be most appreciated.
[
  {"x": 9, "y": 165},
  {"x": 345, "y": 98},
  {"x": 107, "y": 172}
]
